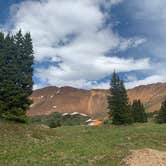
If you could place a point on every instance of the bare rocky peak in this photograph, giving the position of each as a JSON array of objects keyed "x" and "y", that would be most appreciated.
[{"x": 91, "y": 102}]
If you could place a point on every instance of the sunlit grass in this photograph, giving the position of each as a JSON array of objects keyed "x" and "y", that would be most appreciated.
[{"x": 24, "y": 145}]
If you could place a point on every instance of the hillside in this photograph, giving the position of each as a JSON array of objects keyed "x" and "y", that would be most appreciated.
[
  {"x": 90, "y": 102},
  {"x": 151, "y": 95},
  {"x": 35, "y": 145},
  {"x": 69, "y": 100}
]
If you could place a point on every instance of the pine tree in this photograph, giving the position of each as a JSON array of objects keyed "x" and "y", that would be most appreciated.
[
  {"x": 138, "y": 112},
  {"x": 161, "y": 117},
  {"x": 16, "y": 60},
  {"x": 27, "y": 83},
  {"x": 2, "y": 68},
  {"x": 119, "y": 109}
]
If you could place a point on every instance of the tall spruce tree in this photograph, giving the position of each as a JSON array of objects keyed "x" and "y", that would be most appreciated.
[
  {"x": 138, "y": 112},
  {"x": 2, "y": 68},
  {"x": 161, "y": 117},
  {"x": 119, "y": 109},
  {"x": 16, "y": 60},
  {"x": 8, "y": 70}
]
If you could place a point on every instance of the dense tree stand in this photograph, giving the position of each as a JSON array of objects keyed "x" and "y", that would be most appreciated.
[
  {"x": 138, "y": 112},
  {"x": 119, "y": 109},
  {"x": 16, "y": 71}
]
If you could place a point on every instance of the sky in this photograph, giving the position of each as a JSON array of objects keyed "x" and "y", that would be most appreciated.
[{"x": 80, "y": 43}]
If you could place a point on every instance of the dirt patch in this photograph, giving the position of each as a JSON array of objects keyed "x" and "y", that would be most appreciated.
[{"x": 145, "y": 157}]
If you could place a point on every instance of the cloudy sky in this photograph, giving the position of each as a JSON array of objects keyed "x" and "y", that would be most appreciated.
[{"x": 81, "y": 42}]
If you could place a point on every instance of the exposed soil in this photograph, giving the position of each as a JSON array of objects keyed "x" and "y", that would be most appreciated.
[{"x": 145, "y": 157}]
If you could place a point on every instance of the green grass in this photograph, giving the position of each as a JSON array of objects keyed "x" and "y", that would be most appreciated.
[{"x": 32, "y": 145}]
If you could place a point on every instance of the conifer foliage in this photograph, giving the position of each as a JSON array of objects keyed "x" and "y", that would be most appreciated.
[
  {"x": 119, "y": 109},
  {"x": 138, "y": 112},
  {"x": 16, "y": 71},
  {"x": 161, "y": 117}
]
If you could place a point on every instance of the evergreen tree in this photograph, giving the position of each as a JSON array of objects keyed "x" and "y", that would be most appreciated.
[
  {"x": 16, "y": 60},
  {"x": 138, "y": 112},
  {"x": 27, "y": 83},
  {"x": 2, "y": 68},
  {"x": 161, "y": 117},
  {"x": 119, "y": 109}
]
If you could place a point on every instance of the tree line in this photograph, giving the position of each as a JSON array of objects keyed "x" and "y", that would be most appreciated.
[
  {"x": 122, "y": 112},
  {"x": 16, "y": 71}
]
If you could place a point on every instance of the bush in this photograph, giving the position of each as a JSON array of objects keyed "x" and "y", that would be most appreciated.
[
  {"x": 54, "y": 124},
  {"x": 107, "y": 121},
  {"x": 56, "y": 119},
  {"x": 18, "y": 119}
]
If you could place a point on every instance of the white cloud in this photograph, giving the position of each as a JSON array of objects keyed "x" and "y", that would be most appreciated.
[
  {"x": 146, "y": 81},
  {"x": 101, "y": 85},
  {"x": 85, "y": 72},
  {"x": 129, "y": 43},
  {"x": 149, "y": 18},
  {"x": 131, "y": 78},
  {"x": 37, "y": 86},
  {"x": 72, "y": 34}
]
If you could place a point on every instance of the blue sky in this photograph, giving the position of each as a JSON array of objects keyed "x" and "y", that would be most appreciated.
[{"x": 80, "y": 43}]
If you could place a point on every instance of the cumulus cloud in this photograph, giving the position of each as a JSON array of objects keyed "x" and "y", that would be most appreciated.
[
  {"x": 150, "y": 18},
  {"x": 74, "y": 36},
  {"x": 75, "y": 75},
  {"x": 146, "y": 81}
]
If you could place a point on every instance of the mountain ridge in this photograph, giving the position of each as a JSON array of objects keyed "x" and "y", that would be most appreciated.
[{"x": 91, "y": 102}]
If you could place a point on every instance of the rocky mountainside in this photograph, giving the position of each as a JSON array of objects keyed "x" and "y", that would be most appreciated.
[
  {"x": 90, "y": 102},
  {"x": 151, "y": 95}
]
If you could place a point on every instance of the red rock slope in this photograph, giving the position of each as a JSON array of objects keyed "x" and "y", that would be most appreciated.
[
  {"x": 90, "y": 102},
  {"x": 151, "y": 95}
]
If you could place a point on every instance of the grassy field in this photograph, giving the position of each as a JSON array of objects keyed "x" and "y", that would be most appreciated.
[{"x": 31, "y": 145}]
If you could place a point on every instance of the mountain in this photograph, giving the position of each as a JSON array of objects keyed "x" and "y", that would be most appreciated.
[
  {"x": 151, "y": 95},
  {"x": 90, "y": 102},
  {"x": 69, "y": 100}
]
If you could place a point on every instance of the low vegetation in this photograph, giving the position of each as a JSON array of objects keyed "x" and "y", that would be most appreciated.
[
  {"x": 37, "y": 145},
  {"x": 57, "y": 119}
]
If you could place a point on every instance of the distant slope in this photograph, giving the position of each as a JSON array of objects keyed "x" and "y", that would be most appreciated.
[
  {"x": 68, "y": 100},
  {"x": 90, "y": 102},
  {"x": 151, "y": 95}
]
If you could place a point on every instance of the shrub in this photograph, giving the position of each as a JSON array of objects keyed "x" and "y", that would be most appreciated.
[
  {"x": 56, "y": 119},
  {"x": 18, "y": 119},
  {"x": 54, "y": 124}
]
